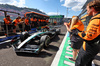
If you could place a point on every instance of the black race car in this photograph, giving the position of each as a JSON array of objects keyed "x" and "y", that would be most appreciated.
[{"x": 34, "y": 43}]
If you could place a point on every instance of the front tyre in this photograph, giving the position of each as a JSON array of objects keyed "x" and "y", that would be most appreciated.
[{"x": 45, "y": 40}]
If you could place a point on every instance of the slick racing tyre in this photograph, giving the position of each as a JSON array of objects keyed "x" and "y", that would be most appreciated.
[
  {"x": 45, "y": 40},
  {"x": 40, "y": 48}
]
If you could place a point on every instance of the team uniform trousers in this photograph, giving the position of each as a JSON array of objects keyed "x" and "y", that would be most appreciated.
[
  {"x": 85, "y": 57},
  {"x": 76, "y": 41}
]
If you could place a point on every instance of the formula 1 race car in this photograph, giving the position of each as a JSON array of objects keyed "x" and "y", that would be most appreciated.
[{"x": 34, "y": 43}]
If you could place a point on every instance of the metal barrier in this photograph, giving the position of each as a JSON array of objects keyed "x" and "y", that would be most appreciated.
[
  {"x": 5, "y": 31},
  {"x": 3, "y": 38}
]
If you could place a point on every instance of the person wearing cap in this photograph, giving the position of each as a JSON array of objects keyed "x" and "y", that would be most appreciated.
[
  {"x": 91, "y": 36},
  {"x": 7, "y": 23}
]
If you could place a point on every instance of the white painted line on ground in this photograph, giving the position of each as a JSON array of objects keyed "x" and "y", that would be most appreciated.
[
  {"x": 67, "y": 56},
  {"x": 5, "y": 41},
  {"x": 68, "y": 48},
  {"x": 58, "y": 54},
  {"x": 69, "y": 53},
  {"x": 69, "y": 63}
]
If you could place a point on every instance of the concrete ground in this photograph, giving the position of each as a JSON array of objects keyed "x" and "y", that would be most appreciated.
[{"x": 9, "y": 58}]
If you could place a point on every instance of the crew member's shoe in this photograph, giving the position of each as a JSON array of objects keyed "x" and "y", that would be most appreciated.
[{"x": 72, "y": 59}]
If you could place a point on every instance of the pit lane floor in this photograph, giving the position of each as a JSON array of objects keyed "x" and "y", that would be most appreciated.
[
  {"x": 45, "y": 58},
  {"x": 9, "y": 58},
  {"x": 65, "y": 52}
]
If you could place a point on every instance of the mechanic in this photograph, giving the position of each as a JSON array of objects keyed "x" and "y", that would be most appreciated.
[
  {"x": 38, "y": 23},
  {"x": 55, "y": 22},
  {"x": 41, "y": 22},
  {"x": 7, "y": 22},
  {"x": 15, "y": 23},
  {"x": 32, "y": 22},
  {"x": 27, "y": 24},
  {"x": 91, "y": 36},
  {"x": 20, "y": 23},
  {"x": 35, "y": 22},
  {"x": 23, "y": 23},
  {"x": 47, "y": 21}
]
